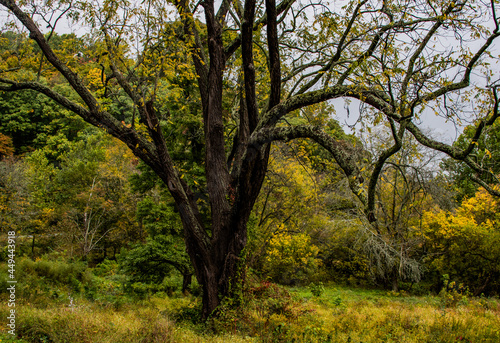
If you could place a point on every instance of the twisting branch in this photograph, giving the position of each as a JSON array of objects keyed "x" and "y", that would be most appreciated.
[
  {"x": 376, "y": 98},
  {"x": 343, "y": 153},
  {"x": 384, "y": 156}
]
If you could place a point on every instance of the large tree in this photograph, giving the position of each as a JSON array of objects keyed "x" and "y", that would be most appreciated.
[{"x": 269, "y": 59}]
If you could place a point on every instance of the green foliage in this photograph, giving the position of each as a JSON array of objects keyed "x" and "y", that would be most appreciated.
[
  {"x": 163, "y": 254},
  {"x": 163, "y": 251},
  {"x": 33, "y": 121},
  {"x": 106, "y": 268},
  {"x": 158, "y": 217},
  {"x": 84, "y": 197},
  {"x": 46, "y": 278},
  {"x": 342, "y": 257},
  {"x": 9, "y": 338},
  {"x": 486, "y": 153}
]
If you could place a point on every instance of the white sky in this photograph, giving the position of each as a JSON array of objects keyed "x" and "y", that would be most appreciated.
[{"x": 445, "y": 131}]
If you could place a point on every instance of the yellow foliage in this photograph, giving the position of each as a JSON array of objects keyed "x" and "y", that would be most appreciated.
[
  {"x": 475, "y": 216},
  {"x": 94, "y": 78},
  {"x": 291, "y": 255},
  {"x": 465, "y": 244}
]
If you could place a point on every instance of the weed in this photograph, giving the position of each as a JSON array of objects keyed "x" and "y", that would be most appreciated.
[
  {"x": 317, "y": 289},
  {"x": 452, "y": 294}
]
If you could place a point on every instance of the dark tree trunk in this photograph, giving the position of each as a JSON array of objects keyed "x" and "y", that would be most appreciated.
[{"x": 220, "y": 271}]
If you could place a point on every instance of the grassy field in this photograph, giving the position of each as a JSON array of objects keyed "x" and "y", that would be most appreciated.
[{"x": 270, "y": 314}]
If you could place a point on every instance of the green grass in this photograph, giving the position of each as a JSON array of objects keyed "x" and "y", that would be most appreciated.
[{"x": 268, "y": 313}]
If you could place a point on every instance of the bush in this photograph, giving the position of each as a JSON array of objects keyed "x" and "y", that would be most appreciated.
[
  {"x": 317, "y": 289},
  {"x": 106, "y": 268},
  {"x": 291, "y": 258}
]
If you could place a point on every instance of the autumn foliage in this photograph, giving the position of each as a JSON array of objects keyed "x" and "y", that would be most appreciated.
[{"x": 6, "y": 148}]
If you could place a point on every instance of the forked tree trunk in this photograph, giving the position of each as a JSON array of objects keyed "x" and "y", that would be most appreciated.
[{"x": 220, "y": 270}]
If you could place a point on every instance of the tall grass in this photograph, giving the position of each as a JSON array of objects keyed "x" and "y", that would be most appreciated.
[
  {"x": 352, "y": 315},
  {"x": 60, "y": 303},
  {"x": 276, "y": 318},
  {"x": 92, "y": 324}
]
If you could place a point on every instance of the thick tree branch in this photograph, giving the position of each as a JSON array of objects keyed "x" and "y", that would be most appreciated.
[
  {"x": 248, "y": 69},
  {"x": 375, "y": 98},
  {"x": 141, "y": 147},
  {"x": 274, "y": 55},
  {"x": 216, "y": 171},
  {"x": 35, "y": 34}
]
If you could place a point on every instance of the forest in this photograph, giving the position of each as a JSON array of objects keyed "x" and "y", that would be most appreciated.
[{"x": 176, "y": 171}]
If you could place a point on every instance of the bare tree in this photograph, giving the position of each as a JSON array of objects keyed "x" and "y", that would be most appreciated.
[{"x": 90, "y": 226}]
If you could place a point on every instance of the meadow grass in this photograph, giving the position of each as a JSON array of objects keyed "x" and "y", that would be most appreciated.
[{"x": 269, "y": 314}]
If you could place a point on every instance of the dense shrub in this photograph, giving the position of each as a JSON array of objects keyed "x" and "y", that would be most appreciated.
[{"x": 291, "y": 258}]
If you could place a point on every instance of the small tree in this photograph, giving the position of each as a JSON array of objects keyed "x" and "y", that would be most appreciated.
[{"x": 164, "y": 247}]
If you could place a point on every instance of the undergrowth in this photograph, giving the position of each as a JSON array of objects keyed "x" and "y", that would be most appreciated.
[{"x": 58, "y": 302}]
